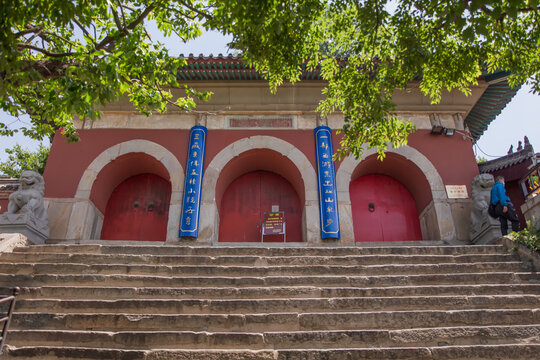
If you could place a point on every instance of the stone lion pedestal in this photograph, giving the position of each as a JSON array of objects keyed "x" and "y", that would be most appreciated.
[
  {"x": 24, "y": 224},
  {"x": 26, "y": 212}
]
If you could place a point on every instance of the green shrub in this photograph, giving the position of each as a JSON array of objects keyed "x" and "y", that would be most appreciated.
[{"x": 530, "y": 236}]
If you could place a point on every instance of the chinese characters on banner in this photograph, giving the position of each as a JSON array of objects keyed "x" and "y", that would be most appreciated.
[
  {"x": 189, "y": 220},
  {"x": 328, "y": 204}
]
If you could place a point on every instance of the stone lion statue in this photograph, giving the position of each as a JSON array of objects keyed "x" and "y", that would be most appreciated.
[
  {"x": 28, "y": 199},
  {"x": 481, "y": 195}
]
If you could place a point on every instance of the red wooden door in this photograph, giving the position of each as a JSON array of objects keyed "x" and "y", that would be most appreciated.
[
  {"x": 138, "y": 209},
  {"x": 383, "y": 210},
  {"x": 245, "y": 201}
]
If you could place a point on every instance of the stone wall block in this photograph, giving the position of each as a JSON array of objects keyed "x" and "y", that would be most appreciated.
[
  {"x": 302, "y": 163},
  {"x": 87, "y": 180},
  {"x": 312, "y": 226},
  {"x": 99, "y": 226},
  {"x": 111, "y": 120},
  {"x": 207, "y": 222},
  {"x": 307, "y": 121},
  {"x": 312, "y": 195},
  {"x": 174, "y": 221},
  {"x": 104, "y": 158},
  {"x": 429, "y": 224},
  {"x": 241, "y": 146},
  {"x": 77, "y": 221},
  {"x": 421, "y": 121},
  {"x": 82, "y": 194},
  {"x": 461, "y": 213},
  {"x": 445, "y": 220},
  {"x": 211, "y": 176},
  {"x": 216, "y": 122},
  {"x": 269, "y": 142},
  {"x": 176, "y": 173},
  {"x": 176, "y": 196},
  {"x": 91, "y": 217},
  {"x": 335, "y": 122},
  {"x": 439, "y": 195},
  {"x": 531, "y": 209},
  {"x": 59, "y": 212},
  {"x": 447, "y": 120},
  {"x": 344, "y": 197},
  {"x": 162, "y": 121},
  {"x": 346, "y": 224}
]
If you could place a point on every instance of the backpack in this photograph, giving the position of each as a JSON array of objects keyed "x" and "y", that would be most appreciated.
[{"x": 492, "y": 210}]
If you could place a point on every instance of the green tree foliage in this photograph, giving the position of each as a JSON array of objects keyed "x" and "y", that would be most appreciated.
[
  {"x": 481, "y": 159},
  {"x": 20, "y": 159},
  {"x": 61, "y": 59}
]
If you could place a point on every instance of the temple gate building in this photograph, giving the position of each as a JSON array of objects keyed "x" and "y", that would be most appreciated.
[{"x": 210, "y": 175}]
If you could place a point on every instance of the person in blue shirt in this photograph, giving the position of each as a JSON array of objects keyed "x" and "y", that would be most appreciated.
[{"x": 503, "y": 207}]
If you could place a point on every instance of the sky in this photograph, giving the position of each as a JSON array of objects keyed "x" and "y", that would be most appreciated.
[{"x": 521, "y": 117}]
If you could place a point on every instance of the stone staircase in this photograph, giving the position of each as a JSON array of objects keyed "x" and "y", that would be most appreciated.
[{"x": 280, "y": 303}]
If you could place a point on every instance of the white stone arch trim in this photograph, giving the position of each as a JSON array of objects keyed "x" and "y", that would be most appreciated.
[
  {"x": 442, "y": 208},
  {"x": 158, "y": 152},
  {"x": 209, "y": 225}
]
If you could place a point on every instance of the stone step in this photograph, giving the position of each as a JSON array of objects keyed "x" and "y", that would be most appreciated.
[
  {"x": 286, "y": 321},
  {"x": 255, "y": 305},
  {"x": 325, "y": 281},
  {"x": 33, "y": 258},
  {"x": 262, "y": 271},
  {"x": 476, "y": 352},
  {"x": 117, "y": 293},
  {"x": 469, "y": 335},
  {"x": 157, "y": 302},
  {"x": 159, "y": 249}
]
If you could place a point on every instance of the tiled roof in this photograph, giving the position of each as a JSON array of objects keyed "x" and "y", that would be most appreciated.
[
  {"x": 497, "y": 95},
  {"x": 227, "y": 68},
  {"x": 506, "y": 161}
]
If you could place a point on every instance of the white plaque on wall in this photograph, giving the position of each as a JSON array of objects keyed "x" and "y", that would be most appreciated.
[{"x": 457, "y": 191}]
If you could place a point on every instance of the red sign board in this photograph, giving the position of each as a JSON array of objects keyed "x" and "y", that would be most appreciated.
[{"x": 273, "y": 223}]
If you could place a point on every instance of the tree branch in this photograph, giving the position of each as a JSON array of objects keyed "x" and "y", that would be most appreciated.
[
  {"x": 29, "y": 30},
  {"x": 117, "y": 20},
  {"x": 197, "y": 11},
  {"x": 83, "y": 29},
  {"x": 59, "y": 37},
  {"x": 43, "y": 51},
  {"x": 122, "y": 12},
  {"x": 109, "y": 39}
]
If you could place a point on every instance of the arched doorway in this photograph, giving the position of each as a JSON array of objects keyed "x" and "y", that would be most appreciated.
[
  {"x": 248, "y": 197},
  {"x": 138, "y": 209},
  {"x": 383, "y": 210}
]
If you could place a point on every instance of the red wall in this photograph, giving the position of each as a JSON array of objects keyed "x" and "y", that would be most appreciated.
[
  {"x": 3, "y": 205},
  {"x": 452, "y": 155},
  {"x": 68, "y": 161}
]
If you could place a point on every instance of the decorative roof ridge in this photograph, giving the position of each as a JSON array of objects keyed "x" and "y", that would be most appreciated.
[
  {"x": 211, "y": 56},
  {"x": 508, "y": 160},
  {"x": 8, "y": 183}
]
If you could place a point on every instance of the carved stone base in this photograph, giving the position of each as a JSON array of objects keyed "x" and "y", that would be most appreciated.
[
  {"x": 23, "y": 224},
  {"x": 488, "y": 235}
]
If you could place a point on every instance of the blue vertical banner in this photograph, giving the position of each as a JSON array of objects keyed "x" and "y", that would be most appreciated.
[
  {"x": 189, "y": 221},
  {"x": 328, "y": 203}
]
